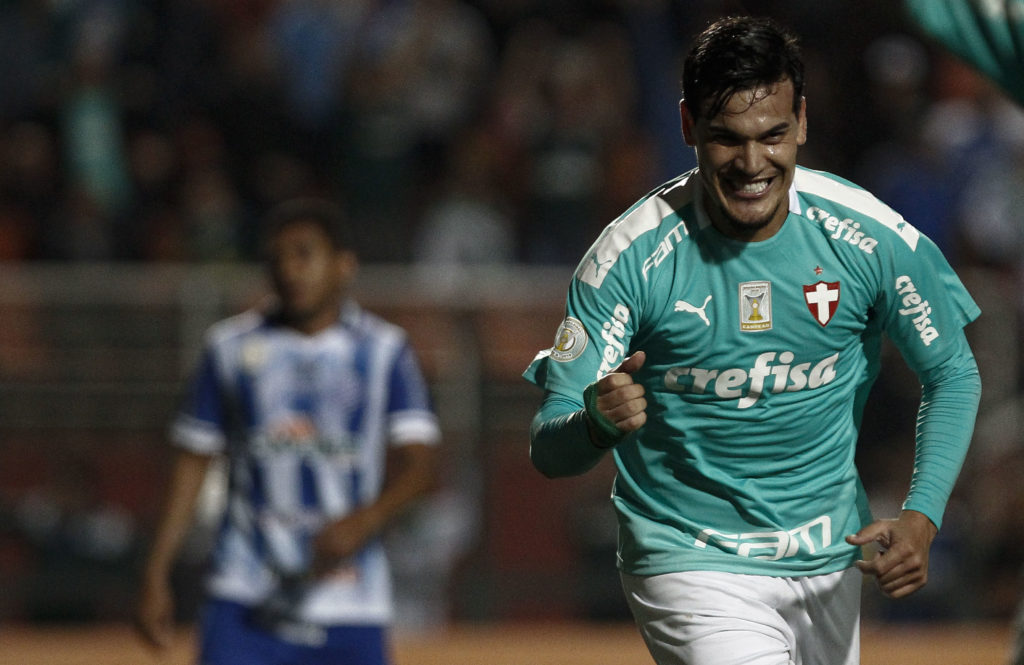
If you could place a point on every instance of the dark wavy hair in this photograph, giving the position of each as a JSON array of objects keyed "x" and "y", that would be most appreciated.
[
  {"x": 328, "y": 216},
  {"x": 739, "y": 53}
]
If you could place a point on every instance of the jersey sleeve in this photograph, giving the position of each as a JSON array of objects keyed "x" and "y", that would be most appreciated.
[
  {"x": 988, "y": 34},
  {"x": 410, "y": 412},
  {"x": 923, "y": 303},
  {"x": 602, "y": 315},
  {"x": 950, "y": 393},
  {"x": 199, "y": 425}
]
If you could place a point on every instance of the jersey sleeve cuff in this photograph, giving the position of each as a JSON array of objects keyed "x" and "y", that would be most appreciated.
[
  {"x": 414, "y": 426},
  {"x": 197, "y": 436}
]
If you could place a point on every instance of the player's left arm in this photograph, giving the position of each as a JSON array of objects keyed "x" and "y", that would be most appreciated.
[
  {"x": 410, "y": 467},
  {"x": 411, "y": 473},
  {"x": 950, "y": 393},
  {"x": 566, "y": 440}
]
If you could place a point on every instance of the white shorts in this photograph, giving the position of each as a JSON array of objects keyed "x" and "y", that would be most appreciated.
[{"x": 711, "y": 618}]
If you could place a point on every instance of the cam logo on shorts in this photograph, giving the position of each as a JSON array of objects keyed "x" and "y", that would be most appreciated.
[
  {"x": 570, "y": 341},
  {"x": 822, "y": 300},
  {"x": 755, "y": 306}
]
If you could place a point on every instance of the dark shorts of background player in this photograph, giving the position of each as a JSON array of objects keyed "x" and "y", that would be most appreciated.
[{"x": 230, "y": 636}]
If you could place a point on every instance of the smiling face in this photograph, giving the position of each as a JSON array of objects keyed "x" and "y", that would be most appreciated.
[{"x": 746, "y": 157}]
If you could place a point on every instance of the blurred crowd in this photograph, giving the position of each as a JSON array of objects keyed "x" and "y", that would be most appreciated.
[
  {"x": 466, "y": 132},
  {"x": 454, "y": 131}
]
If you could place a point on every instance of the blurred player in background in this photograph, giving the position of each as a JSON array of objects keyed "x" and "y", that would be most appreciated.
[
  {"x": 989, "y": 35},
  {"x": 324, "y": 418},
  {"x": 721, "y": 338}
]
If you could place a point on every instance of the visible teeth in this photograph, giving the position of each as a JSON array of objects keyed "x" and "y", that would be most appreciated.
[{"x": 753, "y": 187}]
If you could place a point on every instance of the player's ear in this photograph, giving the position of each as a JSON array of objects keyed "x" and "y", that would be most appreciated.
[{"x": 688, "y": 124}]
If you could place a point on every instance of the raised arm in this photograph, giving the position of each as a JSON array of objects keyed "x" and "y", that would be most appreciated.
[{"x": 568, "y": 439}]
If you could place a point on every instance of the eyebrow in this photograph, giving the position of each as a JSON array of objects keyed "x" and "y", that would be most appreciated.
[{"x": 721, "y": 130}]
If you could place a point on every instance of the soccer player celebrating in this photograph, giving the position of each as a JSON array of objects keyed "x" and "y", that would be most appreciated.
[
  {"x": 720, "y": 338},
  {"x": 306, "y": 401}
]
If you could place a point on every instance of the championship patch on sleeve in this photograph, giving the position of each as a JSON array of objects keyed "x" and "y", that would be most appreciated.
[{"x": 570, "y": 341}]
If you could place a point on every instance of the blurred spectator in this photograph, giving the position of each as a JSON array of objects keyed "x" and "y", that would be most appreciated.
[
  {"x": 92, "y": 134},
  {"x": 910, "y": 168},
  {"x": 314, "y": 42},
  {"x": 991, "y": 210},
  {"x": 83, "y": 230},
  {"x": 468, "y": 223},
  {"x": 584, "y": 115},
  {"x": 441, "y": 53},
  {"x": 516, "y": 111},
  {"x": 29, "y": 186},
  {"x": 28, "y": 58},
  {"x": 419, "y": 78},
  {"x": 213, "y": 215},
  {"x": 656, "y": 28},
  {"x": 155, "y": 169}
]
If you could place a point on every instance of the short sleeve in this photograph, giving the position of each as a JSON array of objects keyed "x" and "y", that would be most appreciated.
[
  {"x": 199, "y": 425},
  {"x": 410, "y": 413}
]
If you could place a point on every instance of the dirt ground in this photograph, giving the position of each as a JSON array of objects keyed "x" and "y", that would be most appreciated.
[{"x": 519, "y": 644}]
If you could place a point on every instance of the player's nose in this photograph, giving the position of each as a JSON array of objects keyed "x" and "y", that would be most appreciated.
[{"x": 751, "y": 158}]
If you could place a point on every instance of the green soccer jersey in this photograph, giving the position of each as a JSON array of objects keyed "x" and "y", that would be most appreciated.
[
  {"x": 759, "y": 359},
  {"x": 988, "y": 34}
]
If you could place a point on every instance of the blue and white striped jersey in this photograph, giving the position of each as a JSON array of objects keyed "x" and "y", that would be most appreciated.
[{"x": 305, "y": 422}]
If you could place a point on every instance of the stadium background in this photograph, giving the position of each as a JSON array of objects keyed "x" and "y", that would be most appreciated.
[{"x": 140, "y": 142}]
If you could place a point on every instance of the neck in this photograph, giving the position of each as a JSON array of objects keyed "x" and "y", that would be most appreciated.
[
  {"x": 312, "y": 323},
  {"x": 730, "y": 228}
]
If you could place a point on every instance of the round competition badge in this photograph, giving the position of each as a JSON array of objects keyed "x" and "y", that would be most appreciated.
[{"x": 570, "y": 341}]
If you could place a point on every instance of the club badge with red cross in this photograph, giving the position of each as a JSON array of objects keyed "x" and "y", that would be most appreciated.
[{"x": 822, "y": 300}]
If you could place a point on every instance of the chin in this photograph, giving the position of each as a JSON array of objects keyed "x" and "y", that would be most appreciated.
[
  {"x": 748, "y": 225},
  {"x": 295, "y": 314},
  {"x": 751, "y": 218}
]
